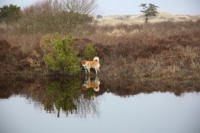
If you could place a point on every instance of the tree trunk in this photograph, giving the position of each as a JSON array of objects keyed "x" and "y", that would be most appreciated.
[{"x": 146, "y": 19}]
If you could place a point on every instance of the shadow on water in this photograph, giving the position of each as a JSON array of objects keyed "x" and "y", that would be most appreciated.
[{"x": 76, "y": 95}]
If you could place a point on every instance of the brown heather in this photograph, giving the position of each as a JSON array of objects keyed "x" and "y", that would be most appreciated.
[{"x": 160, "y": 55}]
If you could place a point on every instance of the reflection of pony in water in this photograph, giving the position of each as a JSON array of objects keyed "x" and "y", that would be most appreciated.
[{"x": 94, "y": 84}]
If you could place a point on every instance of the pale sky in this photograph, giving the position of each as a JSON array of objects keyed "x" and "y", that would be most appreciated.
[{"x": 110, "y": 7}]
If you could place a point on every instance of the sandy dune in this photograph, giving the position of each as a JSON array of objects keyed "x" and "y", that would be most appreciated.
[{"x": 139, "y": 18}]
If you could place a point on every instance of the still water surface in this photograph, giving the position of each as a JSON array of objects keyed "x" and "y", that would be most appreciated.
[{"x": 142, "y": 113}]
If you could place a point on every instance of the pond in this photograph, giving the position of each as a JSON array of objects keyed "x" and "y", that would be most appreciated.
[{"x": 87, "y": 105}]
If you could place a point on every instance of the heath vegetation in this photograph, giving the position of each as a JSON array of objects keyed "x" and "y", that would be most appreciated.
[{"x": 162, "y": 52}]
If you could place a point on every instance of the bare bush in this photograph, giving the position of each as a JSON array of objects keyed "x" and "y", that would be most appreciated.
[
  {"x": 81, "y": 6},
  {"x": 56, "y": 16}
]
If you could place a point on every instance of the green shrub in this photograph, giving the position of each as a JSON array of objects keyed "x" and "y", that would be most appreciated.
[
  {"x": 9, "y": 13},
  {"x": 60, "y": 54},
  {"x": 90, "y": 51},
  {"x": 63, "y": 95}
]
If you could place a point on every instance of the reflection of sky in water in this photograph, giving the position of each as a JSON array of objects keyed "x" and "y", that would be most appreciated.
[{"x": 155, "y": 112}]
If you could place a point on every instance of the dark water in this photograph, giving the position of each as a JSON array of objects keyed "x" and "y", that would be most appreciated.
[{"x": 75, "y": 106}]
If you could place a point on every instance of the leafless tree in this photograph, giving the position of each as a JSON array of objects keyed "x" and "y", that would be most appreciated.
[
  {"x": 57, "y": 15},
  {"x": 81, "y": 6},
  {"x": 76, "y": 6}
]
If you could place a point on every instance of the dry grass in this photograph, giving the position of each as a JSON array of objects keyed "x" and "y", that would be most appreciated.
[{"x": 26, "y": 42}]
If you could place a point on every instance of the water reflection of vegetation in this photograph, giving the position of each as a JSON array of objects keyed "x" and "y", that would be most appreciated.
[
  {"x": 73, "y": 96},
  {"x": 65, "y": 96}
]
